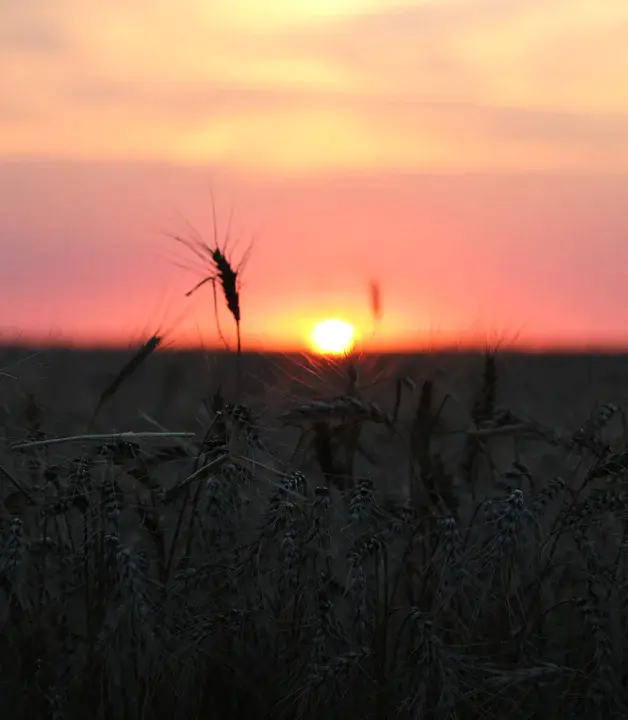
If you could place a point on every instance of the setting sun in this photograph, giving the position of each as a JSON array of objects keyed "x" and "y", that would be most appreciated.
[{"x": 332, "y": 337}]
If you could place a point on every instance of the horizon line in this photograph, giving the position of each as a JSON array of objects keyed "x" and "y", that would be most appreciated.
[{"x": 532, "y": 348}]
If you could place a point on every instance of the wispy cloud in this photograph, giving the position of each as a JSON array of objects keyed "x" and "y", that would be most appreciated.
[{"x": 279, "y": 85}]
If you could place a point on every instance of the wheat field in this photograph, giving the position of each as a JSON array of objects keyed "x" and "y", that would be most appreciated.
[{"x": 208, "y": 535}]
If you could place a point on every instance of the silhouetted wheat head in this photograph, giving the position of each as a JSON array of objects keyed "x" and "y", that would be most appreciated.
[{"x": 222, "y": 271}]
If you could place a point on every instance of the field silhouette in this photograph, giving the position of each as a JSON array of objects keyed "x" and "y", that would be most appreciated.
[{"x": 437, "y": 535}]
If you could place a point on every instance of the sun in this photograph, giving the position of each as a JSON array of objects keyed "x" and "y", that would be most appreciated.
[{"x": 333, "y": 337}]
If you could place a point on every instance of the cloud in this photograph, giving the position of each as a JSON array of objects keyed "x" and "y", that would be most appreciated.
[
  {"x": 544, "y": 53},
  {"x": 456, "y": 83},
  {"x": 205, "y": 102}
]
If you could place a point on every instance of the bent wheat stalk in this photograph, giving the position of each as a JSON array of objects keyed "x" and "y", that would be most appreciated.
[{"x": 102, "y": 437}]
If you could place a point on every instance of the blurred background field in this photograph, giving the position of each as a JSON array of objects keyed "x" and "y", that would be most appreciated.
[{"x": 557, "y": 390}]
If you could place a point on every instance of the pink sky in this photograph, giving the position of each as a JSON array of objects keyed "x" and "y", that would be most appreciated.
[{"x": 469, "y": 155}]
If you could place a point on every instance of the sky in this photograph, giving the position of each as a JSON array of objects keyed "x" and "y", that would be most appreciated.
[{"x": 468, "y": 156}]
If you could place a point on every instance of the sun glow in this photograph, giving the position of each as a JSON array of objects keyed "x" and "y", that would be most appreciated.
[{"x": 332, "y": 337}]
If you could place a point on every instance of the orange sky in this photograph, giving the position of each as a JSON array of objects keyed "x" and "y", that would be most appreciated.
[{"x": 469, "y": 155}]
